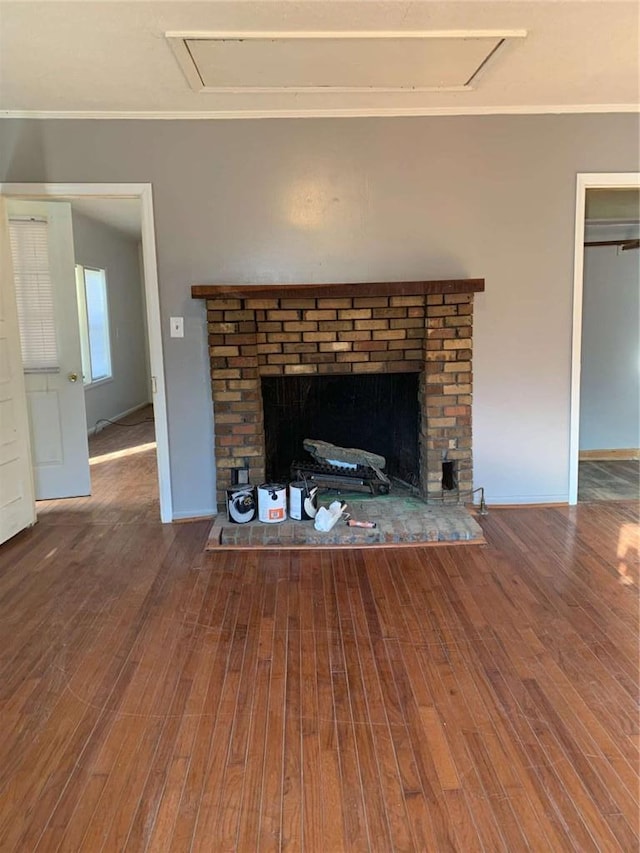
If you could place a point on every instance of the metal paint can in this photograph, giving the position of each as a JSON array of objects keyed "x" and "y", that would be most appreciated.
[
  {"x": 241, "y": 504},
  {"x": 303, "y": 501},
  {"x": 272, "y": 502}
]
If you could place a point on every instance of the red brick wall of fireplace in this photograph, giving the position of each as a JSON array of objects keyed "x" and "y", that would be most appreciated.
[{"x": 429, "y": 333}]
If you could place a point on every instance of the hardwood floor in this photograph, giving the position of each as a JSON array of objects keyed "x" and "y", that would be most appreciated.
[
  {"x": 156, "y": 697},
  {"x": 124, "y": 477},
  {"x": 610, "y": 480}
]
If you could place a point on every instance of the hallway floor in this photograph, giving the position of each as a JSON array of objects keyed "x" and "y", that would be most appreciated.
[{"x": 610, "y": 480}]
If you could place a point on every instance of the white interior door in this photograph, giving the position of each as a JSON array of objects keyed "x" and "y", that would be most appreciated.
[
  {"x": 17, "y": 505},
  {"x": 55, "y": 392}
]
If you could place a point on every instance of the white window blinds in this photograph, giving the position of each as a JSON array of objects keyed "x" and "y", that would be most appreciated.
[{"x": 34, "y": 294}]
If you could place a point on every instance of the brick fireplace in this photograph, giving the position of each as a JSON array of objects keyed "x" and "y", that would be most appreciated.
[{"x": 397, "y": 327}]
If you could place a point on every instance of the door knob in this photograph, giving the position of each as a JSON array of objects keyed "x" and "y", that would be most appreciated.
[{"x": 73, "y": 377}]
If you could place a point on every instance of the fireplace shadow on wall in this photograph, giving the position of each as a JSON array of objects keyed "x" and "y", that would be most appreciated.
[{"x": 379, "y": 413}]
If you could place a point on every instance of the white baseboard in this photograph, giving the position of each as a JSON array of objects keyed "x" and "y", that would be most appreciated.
[
  {"x": 194, "y": 515},
  {"x": 525, "y": 500},
  {"x": 117, "y": 417}
]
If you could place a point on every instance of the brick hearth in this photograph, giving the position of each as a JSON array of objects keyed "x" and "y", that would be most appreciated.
[{"x": 423, "y": 327}]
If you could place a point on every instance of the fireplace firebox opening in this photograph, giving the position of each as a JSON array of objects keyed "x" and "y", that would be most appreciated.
[{"x": 378, "y": 413}]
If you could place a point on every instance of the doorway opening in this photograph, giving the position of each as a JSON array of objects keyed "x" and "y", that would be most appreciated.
[
  {"x": 124, "y": 482},
  {"x": 605, "y": 360},
  {"x": 126, "y": 207}
]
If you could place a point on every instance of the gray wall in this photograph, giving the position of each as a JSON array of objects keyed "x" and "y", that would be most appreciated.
[
  {"x": 98, "y": 245},
  {"x": 355, "y": 200},
  {"x": 610, "y": 381}
]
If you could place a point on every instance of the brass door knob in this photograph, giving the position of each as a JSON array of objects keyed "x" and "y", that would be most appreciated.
[{"x": 73, "y": 377}]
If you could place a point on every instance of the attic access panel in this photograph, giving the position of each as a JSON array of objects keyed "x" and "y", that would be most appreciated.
[{"x": 335, "y": 62}]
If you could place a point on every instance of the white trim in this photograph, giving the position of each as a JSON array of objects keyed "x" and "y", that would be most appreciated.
[
  {"x": 156, "y": 357},
  {"x": 356, "y": 112},
  {"x": 324, "y": 90},
  {"x": 268, "y": 35},
  {"x": 95, "y": 429},
  {"x": 584, "y": 181},
  {"x": 144, "y": 193},
  {"x": 523, "y": 500},
  {"x": 195, "y": 514}
]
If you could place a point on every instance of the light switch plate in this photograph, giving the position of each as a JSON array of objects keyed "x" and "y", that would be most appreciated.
[{"x": 177, "y": 327}]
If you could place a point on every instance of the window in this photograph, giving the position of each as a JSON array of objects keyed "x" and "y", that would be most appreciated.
[
  {"x": 93, "y": 310},
  {"x": 34, "y": 294}
]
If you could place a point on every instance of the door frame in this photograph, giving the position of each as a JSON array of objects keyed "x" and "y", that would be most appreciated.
[
  {"x": 584, "y": 181},
  {"x": 143, "y": 192}
]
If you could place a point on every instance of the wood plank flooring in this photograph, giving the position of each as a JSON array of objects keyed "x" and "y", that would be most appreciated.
[
  {"x": 155, "y": 697},
  {"x": 124, "y": 477},
  {"x": 609, "y": 480}
]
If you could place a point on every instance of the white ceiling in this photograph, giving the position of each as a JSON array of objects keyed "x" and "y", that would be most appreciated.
[
  {"x": 123, "y": 214},
  {"x": 97, "y": 59}
]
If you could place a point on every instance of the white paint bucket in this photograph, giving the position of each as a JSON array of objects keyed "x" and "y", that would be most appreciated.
[
  {"x": 303, "y": 501},
  {"x": 272, "y": 502},
  {"x": 241, "y": 504}
]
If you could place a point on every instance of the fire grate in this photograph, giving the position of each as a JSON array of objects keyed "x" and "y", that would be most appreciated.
[{"x": 358, "y": 479}]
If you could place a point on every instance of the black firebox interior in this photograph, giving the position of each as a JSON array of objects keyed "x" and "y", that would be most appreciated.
[{"x": 379, "y": 413}]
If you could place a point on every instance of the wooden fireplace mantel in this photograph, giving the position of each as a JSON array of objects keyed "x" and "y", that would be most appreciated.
[{"x": 367, "y": 288}]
